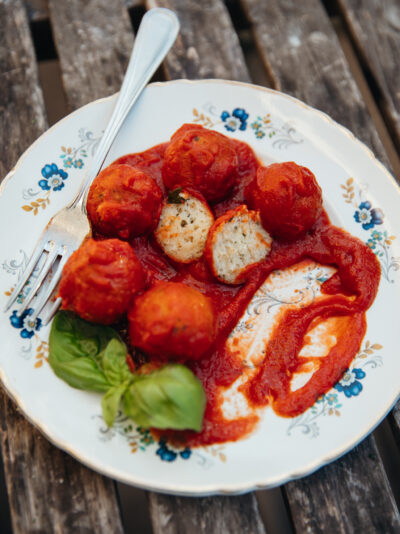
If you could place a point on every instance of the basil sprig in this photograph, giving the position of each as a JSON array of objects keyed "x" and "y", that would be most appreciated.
[{"x": 93, "y": 357}]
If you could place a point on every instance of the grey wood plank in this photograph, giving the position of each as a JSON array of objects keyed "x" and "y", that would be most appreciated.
[
  {"x": 375, "y": 28},
  {"x": 348, "y": 496},
  {"x": 207, "y": 45},
  {"x": 225, "y": 515},
  {"x": 22, "y": 112},
  {"x": 39, "y": 10},
  {"x": 302, "y": 54},
  {"x": 94, "y": 41},
  {"x": 394, "y": 420},
  {"x": 48, "y": 491}
]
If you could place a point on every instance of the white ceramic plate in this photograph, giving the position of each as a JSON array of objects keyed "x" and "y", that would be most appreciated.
[{"x": 279, "y": 128}]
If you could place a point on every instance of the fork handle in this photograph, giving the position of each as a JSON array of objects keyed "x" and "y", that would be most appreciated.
[{"x": 157, "y": 33}]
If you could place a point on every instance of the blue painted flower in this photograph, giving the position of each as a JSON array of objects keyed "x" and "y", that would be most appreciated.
[
  {"x": 368, "y": 217},
  {"x": 53, "y": 178},
  {"x": 376, "y": 236},
  {"x": 78, "y": 164},
  {"x": 24, "y": 321},
  {"x": 331, "y": 398},
  {"x": 256, "y": 125},
  {"x": 147, "y": 439},
  {"x": 259, "y": 134},
  {"x": 371, "y": 244},
  {"x": 165, "y": 453},
  {"x": 185, "y": 454},
  {"x": 235, "y": 121},
  {"x": 68, "y": 162},
  {"x": 349, "y": 383}
]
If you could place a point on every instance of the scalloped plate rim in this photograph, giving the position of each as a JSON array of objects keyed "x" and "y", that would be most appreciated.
[{"x": 211, "y": 489}]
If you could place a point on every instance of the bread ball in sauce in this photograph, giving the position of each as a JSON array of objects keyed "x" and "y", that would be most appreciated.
[
  {"x": 236, "y": 242},
  {"x": 203, "y": 159},
  {"x": 184, "y": 224},
  {"x": 288, "y": 198},
  {"x": 172, "y": 321},
  {"x": 100, "y": 279},
  {"x": 124, "y": 202}
]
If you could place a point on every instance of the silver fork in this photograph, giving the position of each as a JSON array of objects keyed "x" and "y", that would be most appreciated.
[{"x": 68, "y": 228}]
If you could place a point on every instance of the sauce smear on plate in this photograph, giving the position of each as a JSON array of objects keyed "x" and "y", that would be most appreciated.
[{"x": 347, "y": 294}]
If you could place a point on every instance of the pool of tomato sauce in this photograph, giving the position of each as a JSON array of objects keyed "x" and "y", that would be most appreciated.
[{"x": 348, "y": 293}]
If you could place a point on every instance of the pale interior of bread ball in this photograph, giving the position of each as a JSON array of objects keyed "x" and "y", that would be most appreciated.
[
  {"x": 183, "y": 227},
  {"x": 238, "y": 243}
]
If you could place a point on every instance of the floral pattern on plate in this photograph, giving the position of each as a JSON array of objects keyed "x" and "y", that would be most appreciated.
[
  {"x": 28, "y": 329},
  {"x": 349, "y": 386},
  {"x": 282, "y": 135},
  {"x": 142, "y": 440},
  {"x": 371, "y": 220},
  {"x": 53, "y": 176},
  {"x": 25, "y": 324}
]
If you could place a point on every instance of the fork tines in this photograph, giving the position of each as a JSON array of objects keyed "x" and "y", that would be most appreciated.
[{"x": 48, "y": 260}]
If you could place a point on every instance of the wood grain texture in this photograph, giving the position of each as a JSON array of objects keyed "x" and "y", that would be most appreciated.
[
  {"x": 303, "y": 56},
  {"x": 375, "y": 28},
  {"x": 49, "y": 491},
  {"x": 394, "y": 420},
  {"x": 346, "y": 497},
  {"x": 225, "y": 515},
  {"x": 94, "y": 41},
  {"x": 39, "y": 9},
  {"x": 207, "y": 45},
  {"x": 22, "y": 111}
]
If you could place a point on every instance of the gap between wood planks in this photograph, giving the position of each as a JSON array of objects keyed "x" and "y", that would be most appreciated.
[
  {"x": 365, "y": 81},
  {"x": 368, "y": 95},
  {"x": 272, "y": 507}
]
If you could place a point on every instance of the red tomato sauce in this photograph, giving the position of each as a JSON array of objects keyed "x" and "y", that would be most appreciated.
[{"x": 348, "y": 294}]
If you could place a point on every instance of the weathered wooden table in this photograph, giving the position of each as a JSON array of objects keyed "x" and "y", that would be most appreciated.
[{"x": 291, "y": 46}]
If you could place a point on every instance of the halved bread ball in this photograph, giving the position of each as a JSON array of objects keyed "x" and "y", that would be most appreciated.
[
  {"x": 236, "y": 242},
  {"x": 183, "y": 227}
]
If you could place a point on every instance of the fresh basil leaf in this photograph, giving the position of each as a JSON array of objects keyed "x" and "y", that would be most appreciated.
[
  {"x": 93, "y": 357},
  {"x": 170, "y": 397},
  {"x": 113, "y": 362},
  {"x": 77, "y": 349},
  {"x": 75, "y": 336},
  {"x": 82, "y": 373},
  {"x": 174, "y": 197},
  {"x": 110, "y": 403}
]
